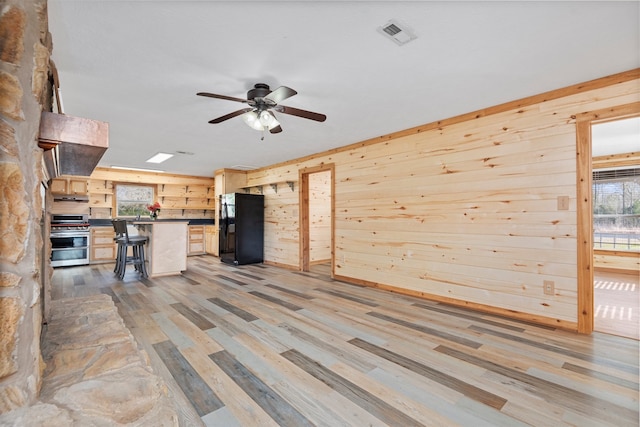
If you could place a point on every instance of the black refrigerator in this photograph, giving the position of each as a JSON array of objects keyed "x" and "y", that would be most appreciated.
[{"x": 241, "y": 228}]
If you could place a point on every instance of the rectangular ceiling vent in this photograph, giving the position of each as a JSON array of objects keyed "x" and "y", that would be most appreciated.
[{"x": 397, "y": 32}]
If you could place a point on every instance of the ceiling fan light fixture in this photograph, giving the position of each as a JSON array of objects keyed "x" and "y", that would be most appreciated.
[
  {"x": 274, "y": 124},
  {"x": 266, "y": 119},
  {"x": 251, "y": 119},
  {"x": 262, "y": 122}
]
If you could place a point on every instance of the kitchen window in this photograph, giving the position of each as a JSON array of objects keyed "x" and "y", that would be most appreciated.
[{"x": 132, "y": 200}]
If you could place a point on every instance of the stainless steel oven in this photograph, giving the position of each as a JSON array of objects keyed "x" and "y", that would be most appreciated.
[{"x": 70, "y": 239}]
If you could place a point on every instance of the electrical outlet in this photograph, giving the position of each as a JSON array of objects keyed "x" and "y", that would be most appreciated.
[{"x": 549, "y": 287}]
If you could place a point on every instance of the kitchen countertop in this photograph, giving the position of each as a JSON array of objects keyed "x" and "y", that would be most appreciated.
[
  {"x": 107, "y": 222},
  {"x": 151, "y": 222}
]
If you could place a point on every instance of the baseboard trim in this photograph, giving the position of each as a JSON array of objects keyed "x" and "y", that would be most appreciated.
[{"x": 511, "y": 314}]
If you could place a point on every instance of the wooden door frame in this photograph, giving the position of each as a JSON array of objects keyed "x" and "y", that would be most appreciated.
[
  {"x": 303, "y": 175},
  {"x": 584, "y": 206}
]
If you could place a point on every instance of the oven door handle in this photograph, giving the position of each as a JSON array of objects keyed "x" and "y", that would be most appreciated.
[
  {"x": 69, "y": 234},
  {"x": 70, "y": 248}
]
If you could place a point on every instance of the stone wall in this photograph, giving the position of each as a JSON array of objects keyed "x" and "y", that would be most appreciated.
[{"x": 25, "y": 46}]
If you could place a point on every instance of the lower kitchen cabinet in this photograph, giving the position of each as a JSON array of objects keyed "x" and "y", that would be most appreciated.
[
  {"x": 211, "y": 239},
  {"x": 196, "y": 240},
  {"x": 102, "y": 248}
]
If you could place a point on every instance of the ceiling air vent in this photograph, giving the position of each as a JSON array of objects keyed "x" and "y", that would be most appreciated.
[{"x": 397, "y": 32}]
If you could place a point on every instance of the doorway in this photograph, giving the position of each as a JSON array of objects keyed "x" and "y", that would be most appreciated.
[
  {"x": 590, "y": 158},
  {"x": 616, "y": 226},
  {"x": 317, "y": 219}
]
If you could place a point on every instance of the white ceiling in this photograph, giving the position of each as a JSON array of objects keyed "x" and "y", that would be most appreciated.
[
  {"x": 618, "y": 137},
  {"x": 139, "y": 64}
]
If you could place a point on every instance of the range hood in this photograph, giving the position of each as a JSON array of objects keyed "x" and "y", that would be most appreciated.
[
  {"x": 73, "y": 145},
  {"x": 70, "y": 198}
]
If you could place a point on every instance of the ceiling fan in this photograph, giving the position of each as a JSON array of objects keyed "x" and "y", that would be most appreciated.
[{"x": 262, "y": 103}]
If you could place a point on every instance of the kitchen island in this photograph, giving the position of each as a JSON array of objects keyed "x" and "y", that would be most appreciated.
[{"x": 166, "y": 251}]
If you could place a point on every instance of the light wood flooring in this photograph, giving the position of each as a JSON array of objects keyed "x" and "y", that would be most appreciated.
[
  {"x": 617, "y": 304},
  {"x": 261, "y": 346}
]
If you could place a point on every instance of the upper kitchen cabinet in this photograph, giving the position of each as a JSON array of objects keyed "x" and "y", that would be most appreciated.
[
  {"x": 70, "y": 186},
  {"x": 227, "y": 181},
  {"x": 230, "y": 180}
]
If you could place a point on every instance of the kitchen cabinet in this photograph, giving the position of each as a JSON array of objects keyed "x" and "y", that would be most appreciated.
[
  {"x": 102, "y": 248},
  {"x": 229, "y": 180},
  {"x": 211, "y": 240},
  {"x": 196, "y": 240},
  {"x": 72, "y": 186}
]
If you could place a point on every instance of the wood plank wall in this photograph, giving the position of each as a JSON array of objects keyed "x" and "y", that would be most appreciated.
[
  {"x": 320, "y": 217},
  {"x": 463, "y": 210},
  {"x": 617, "y": 261},
  {"x": 280, "y": 223}
]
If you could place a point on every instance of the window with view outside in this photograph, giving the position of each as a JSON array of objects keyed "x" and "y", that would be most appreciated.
[
  {"x": 132, "y": 200},
  {"x": 616, "y": 209}
]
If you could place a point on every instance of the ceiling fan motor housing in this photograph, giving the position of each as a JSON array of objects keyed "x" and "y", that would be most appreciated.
[{"x": 260, "y": 90}]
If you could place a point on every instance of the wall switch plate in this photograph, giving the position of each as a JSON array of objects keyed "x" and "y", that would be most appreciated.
[
  {"x": 563, "y": 203},
  {"x": 549, "y": 287}
]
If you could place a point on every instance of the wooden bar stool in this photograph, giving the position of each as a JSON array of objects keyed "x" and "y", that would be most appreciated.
[{"x": 124, "y": 242}]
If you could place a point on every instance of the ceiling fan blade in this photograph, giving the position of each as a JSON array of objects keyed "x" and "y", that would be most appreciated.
[
  {"x": 301, "y": 113},
  {"x": 276, "y": 129},
  {"x": 228, "y": 98},
  {"x": 230, "y": 115},
  {"x": 280, "y": 94}
]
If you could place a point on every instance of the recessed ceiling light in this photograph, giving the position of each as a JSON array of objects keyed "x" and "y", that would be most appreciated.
[
  {"x": 136, "y": 169},
  {"x": 159, "y": 158}
]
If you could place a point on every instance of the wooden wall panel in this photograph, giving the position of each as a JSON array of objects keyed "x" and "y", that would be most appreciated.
[
  {"x": 281, "y": 225},
  {"x": 320, "y": 217},
  {"x": 616, "y": 261},
  {"x": 465, "y": 209}
]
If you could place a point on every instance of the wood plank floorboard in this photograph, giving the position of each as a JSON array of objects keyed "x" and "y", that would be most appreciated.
[
  {"x": 193, "y": 317},
  {"x": 570, "y": 398},
  {"x": 361, "y": 397},
  {"x": 617, "y": 303},
  {"x": 278, "y": 408},
  {"x": 260, "y": 345},
  {"x": 203, "y": 399}
]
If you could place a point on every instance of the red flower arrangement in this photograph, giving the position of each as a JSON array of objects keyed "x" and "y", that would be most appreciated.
[{"x": 154, "y": 209}]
